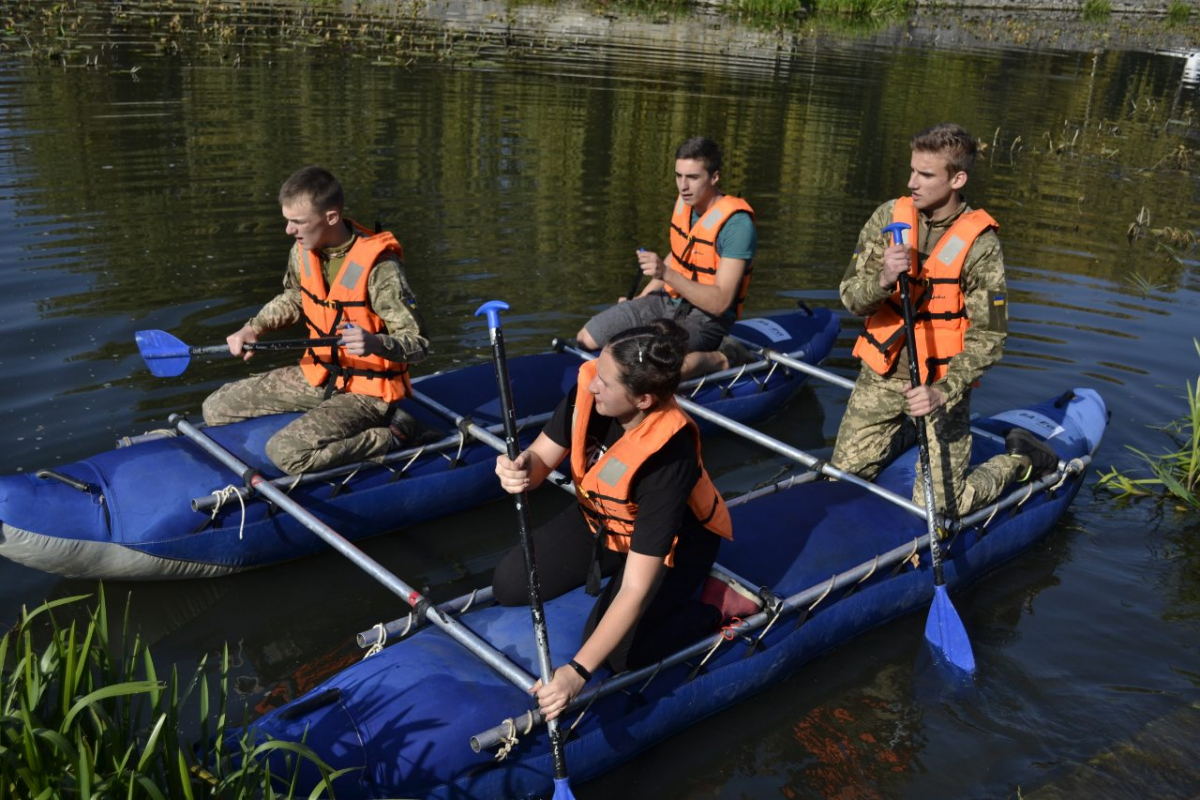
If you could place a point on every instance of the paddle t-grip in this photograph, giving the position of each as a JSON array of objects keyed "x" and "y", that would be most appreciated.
[
  {"x": 896, "y": 231},
  {"x": 492, "y": 309}
]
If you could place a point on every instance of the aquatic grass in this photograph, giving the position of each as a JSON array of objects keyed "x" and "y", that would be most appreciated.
[
  {"x": 1174, "y": 474},
  {"x": 1144, "y": 284},
  {"x": 1179, "y": 158},
  {"x": 861, "y": 8},
  {"x": 1096, "y": 10},
  {"x": 770, "y": 9},
  {"x": 81, "y": 717},
  {"x": 1168, "y": 239},
  {"x": 1135, "y": 134}
]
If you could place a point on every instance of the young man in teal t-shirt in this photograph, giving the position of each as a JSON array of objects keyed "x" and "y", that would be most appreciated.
[{"x": 702, "y": 283}]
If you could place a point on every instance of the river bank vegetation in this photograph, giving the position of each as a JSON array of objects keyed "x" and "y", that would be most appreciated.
[
  {"x": 406, "y": 31},
  {"x": 1174, "y": 476},
  {"x": 79, "y": 709}
]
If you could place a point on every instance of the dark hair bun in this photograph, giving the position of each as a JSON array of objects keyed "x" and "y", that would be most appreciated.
[{"x": 651, "y": 357}]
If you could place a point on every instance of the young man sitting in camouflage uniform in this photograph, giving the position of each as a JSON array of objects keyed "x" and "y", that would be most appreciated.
[
  {"x": 961, "y": 321},
  {"x": 341, "y": 280}
]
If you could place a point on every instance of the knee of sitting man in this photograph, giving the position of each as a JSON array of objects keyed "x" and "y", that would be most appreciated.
[
  {"x": 287, "y": 458},
  {"x": 211, "y": 411},
  {"x": 585, "y": 340}
]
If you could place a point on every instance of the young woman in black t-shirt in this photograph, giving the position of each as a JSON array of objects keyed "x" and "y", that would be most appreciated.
[{"x": 647, "y": 610}]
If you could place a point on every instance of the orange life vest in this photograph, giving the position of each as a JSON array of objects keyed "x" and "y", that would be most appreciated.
[
  {"x": 603, "y": 490},
  {"x": 939, "y": 308},
  {"x": 694, "y": 248},
  {"x": 325, "y": 309}
]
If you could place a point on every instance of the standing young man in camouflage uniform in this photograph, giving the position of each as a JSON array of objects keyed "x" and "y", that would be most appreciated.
[
  {"x": 960, "y": 317},
  {"x": 342, "y": 280}
]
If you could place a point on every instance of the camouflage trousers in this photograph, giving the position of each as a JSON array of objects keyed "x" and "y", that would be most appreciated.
[
  {"x": 876, "y": 428},
  {"x": 345, "y": 428}
]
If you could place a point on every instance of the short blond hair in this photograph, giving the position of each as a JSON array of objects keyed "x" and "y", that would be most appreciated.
[{"x": 948, "y": 140}]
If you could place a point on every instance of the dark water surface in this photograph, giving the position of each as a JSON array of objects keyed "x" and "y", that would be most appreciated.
[{"x": 145, "y": 199}]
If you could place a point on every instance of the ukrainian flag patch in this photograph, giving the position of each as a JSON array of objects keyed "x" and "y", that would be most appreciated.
[{"x": 998, "y": 300}]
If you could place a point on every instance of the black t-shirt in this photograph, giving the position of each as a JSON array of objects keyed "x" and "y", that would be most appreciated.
[{"x": 660, "y": 488}]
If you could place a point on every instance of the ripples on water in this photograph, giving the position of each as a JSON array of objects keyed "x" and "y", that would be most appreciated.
[{"x": 146, "y": 200}]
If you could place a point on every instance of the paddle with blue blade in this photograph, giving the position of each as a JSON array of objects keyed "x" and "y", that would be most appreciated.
[
  {"x": 492, "y": 309},
  {"x": 167, "y": 356},
  {"x": 943, "y": 629}
]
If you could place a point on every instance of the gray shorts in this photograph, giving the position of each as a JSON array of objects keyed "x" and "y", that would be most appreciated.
[{"x": 704, "y": 330}]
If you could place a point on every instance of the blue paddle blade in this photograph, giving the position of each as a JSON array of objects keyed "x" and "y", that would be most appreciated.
[
  {"x": 165, "y": 355},
  {"x": 562, "y": 790},
  {"x": 946, "y": 634}
]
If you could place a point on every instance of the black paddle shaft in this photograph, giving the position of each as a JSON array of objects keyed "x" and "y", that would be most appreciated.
[
  {"x": 286, "y": 344},
  {"x": 914, "y": 373},
  {"x": 525, "y": 528},
  {"x": 637, "y": 281}
]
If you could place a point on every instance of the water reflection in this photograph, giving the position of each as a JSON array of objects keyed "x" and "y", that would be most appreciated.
[
  {"x": 532, "y": 177},
  {"x": 1191, "y": 69}
]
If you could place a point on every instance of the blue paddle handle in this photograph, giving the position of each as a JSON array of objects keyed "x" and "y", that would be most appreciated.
[
  {"x": 492, "y": 309},
  {"x": 896, "y": 231}
]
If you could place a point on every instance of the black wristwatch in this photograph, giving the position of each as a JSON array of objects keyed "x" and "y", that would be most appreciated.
[{"x": 579, "y": 668}]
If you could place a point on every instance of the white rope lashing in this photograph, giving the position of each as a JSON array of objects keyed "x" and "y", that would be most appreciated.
[
  {"x": 224, "y": 494},
  {"x": 380, "y": 640}
]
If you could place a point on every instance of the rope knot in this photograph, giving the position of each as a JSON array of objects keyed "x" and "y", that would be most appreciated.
[{"x": 224, "y": 494}]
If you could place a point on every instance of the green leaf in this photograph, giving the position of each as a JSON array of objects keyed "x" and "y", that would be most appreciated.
[
  {"x": 185, "y": 776},
  {"x": 149, "y": 786},
  {"x": 49, "y": 605},
  {"x": 119, "y": 690},
  {"x": 325, "y": 787},
  {"x": 148, "y": 750}
]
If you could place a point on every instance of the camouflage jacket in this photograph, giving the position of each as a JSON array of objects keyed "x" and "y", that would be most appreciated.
[
  {"x": 387, "y": 291},
  {"x": 982, "y": 282}
]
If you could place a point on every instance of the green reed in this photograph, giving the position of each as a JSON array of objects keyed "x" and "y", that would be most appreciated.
[
  {"x": 1175, "y": 473},
  {"x": 1178, "y": 12},
  {"x": 860, "y": 8},
  {"x": 1097, "y": 10},
  {"x": 82, "y": 717}
]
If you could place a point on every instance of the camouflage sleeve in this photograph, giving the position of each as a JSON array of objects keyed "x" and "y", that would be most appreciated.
[
  {"x": 393, "y": 300},
  {"x": 986, "y": 297},
  {"x": 860, "y": 290},
  {"x": 285, "y": 308}
]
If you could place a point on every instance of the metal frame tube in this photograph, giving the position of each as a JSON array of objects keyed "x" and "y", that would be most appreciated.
[
  {"x": 808, "y": 460},
  {"x": 398, "y": 626},
  {"x": 206, "y": 502},
  {"x": 1075, "y": 466},
  {"x": 493, "y": 737},
  {"x": 456, "y": 630}
]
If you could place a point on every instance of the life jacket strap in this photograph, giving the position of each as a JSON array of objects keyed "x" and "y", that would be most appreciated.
[
  {"x": 338, "y": 371},
  {"x": 335, "y": 304}
]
